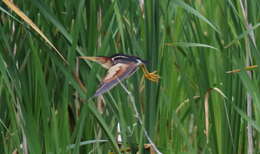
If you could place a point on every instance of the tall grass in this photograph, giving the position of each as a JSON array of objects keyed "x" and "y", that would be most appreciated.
[{"x": 195, "y": 108}]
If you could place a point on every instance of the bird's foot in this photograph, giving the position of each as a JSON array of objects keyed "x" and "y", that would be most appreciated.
[{"x": 152, "y": 76}]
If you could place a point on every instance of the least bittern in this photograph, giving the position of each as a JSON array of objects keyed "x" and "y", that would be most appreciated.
[{"x": 120, "y": 67}]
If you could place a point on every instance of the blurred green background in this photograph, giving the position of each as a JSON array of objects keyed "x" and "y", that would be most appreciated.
[{"x": 196, "y": 107}]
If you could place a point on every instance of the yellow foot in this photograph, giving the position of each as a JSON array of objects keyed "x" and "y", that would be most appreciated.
[{"x": 150, "y": 76}]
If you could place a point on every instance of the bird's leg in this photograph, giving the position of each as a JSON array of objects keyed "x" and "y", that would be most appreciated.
[{"x": 150, "y": 76}]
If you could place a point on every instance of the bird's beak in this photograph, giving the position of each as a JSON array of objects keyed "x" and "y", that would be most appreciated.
[{"x": 95, "y": 59}]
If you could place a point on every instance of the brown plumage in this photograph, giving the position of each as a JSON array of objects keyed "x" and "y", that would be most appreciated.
[{"x": 120, "y": 67}]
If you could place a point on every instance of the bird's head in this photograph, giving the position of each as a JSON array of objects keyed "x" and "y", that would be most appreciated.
[{"x": 122, "y": 58}]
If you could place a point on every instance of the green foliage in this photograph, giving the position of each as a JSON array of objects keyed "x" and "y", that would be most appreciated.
[{"x": 192, "y": 44}]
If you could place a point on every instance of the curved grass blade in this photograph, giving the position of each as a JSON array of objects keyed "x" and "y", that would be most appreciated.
[
  {"x": 10, "y": 15},
  {"x": 31, "y": 23},
  {"x": 196, "y": 13},
  {"x": 189, "y": 44},
  {"x": 86, "y": 143},
  {"x": 247, "y": 32}
]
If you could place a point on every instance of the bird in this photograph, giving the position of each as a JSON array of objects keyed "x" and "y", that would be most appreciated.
[{"x": 120, "y": 67}]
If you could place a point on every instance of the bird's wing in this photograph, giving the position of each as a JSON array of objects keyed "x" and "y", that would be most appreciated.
[{"x": 114, "y": 75}]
